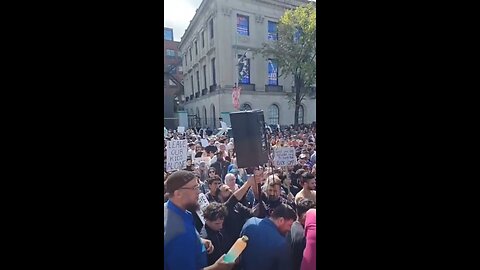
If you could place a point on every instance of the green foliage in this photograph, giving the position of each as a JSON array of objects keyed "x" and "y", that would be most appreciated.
[{"x": 295, "y": 51}]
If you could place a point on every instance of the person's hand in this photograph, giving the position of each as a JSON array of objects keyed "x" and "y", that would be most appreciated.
[
  {"x": 220, "y": 264},
  {"x": 208, "y": 245},
  {"x": 258, "y": 175}
]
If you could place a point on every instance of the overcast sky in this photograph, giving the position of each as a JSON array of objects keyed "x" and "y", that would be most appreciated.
[{"x": 178, "y": 14}]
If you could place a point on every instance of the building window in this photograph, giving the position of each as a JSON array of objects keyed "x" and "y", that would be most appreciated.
[
  {"x": 214, "y": 79},
  {"x": 297, "y": 35},
  {"x": 190, "y": 52},
  {"x": 172, "y": 69},
  {"x": 205, "y": 76},
  {"x": 205, "y": 115},
  {"x": 211, "y": 28},
  {"x": 242, "y": 25},
  {"x": 170, "y": 53},
  {"x": 198, "y": 81},
  {"x": 203, "y": 39},
  {"x": 185, "y": 57},
  {"x": 273, "y": 115},
  {"x": 272, "y": 72},
  {"x": 300, "y": 114},
  {"x": 244, "y": 70},
  {"x": 168, "y": 34},
  {"x": 245, "y": 107},
  {"x": 196, "y": 48},
  {"x": 213, "y": 117},
  {"x": 272, "y": 31},
  {"x": 191, "y": 79}
]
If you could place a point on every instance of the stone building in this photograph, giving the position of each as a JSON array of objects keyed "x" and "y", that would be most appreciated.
[{"x": 218, "y": 35}]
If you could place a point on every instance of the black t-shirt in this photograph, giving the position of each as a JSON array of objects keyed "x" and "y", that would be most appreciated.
[
  {"x": 219, "y": 241},
  {"x": 236, "y": 218},
  {"x": 211, "y": 198},
  {"x": 296, "y": 239},
  {"x": 271, "y": 205},
  {"x": 293, "y": 189}
]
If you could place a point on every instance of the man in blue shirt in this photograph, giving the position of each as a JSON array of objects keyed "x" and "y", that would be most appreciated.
[
  {"x": 183, "y": 248},
  {"x": 267, "y": 247}
]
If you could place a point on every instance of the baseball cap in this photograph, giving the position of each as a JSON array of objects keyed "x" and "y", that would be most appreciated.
[{"x": 177, "y": 180}]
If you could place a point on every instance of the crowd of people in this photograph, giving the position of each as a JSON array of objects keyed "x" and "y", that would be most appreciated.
[{"x": 275, "y": 207}]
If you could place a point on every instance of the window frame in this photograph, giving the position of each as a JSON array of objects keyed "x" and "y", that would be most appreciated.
[
  {"x": 241, "y": 30},
  {"x": 248, "y": 71},
  {"x": 277, "y": 118},
  {"x": 303, "y": 114},
  {"x": 214, "y": 79},
  {"x": 274, "y": 34},
  {"x": 270, "y": 60},
  {"x": 211, "y": 28}
]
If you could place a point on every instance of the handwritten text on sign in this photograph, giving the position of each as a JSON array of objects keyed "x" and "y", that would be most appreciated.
[
  {"x": 176, "y": 155},
  {"x": 284, "y": 156}
]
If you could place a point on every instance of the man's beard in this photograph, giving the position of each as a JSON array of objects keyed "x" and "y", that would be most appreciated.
[
  {"x": 273, "y": 198},
  {"x": 192, "y": 207}
]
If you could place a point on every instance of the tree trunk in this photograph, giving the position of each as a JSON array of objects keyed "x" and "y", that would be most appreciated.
[{"x": 298, "y": 87}]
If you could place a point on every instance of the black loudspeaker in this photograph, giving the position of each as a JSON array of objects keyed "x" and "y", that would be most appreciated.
[{"x": 248, "y": 129}]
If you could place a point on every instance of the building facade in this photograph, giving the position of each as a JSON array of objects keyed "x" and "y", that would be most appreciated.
[
  {"x": 172, "y": 79},
  {"x": 218, "y": 35}
]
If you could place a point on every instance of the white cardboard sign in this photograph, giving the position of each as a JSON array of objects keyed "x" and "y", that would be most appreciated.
[
  {"x": 284, "y": 156},
  {"x": 176, "y": 155}
]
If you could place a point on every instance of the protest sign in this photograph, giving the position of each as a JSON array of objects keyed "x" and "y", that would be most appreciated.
[
  {"x": 204, "y": 142},
  {"x": 176, "y": 155},
  {"x": 284, "y": 156},
  {"x": 203, "y": 202},
  {"x": 181, "y": 129}
]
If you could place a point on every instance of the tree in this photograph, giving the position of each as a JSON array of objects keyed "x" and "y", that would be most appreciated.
[{"x": 295, "y": 51}]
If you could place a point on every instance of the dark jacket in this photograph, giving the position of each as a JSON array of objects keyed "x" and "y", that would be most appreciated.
[
  {"x": 238, "y": 214},
  {"x": 219, "y": 241},
  {"x": 270, "y": 205},
  {"x": 212, "y": 198},
  {"x": 296, "y": 239}
]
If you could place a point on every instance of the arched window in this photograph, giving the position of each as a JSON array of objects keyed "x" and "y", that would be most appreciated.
[
  {"x": 205, "y": 115},
  {"x": 213, "y": 117},
  {"x": 199, "y": 122},
  {"x": 300, "y": 114},
  {"x": 273, "y": 115},
  {"x": 245, "y": 107}
]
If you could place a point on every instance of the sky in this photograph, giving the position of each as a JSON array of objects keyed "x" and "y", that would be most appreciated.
[{"x": 178, "y": 14}]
